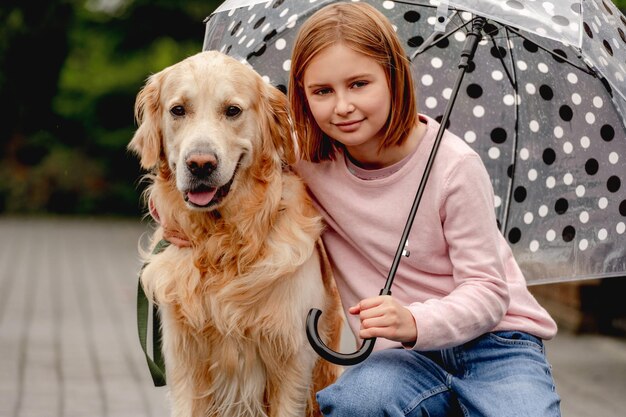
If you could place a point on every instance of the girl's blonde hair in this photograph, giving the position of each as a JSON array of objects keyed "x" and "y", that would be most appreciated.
[{"x": 365, "y": 30}]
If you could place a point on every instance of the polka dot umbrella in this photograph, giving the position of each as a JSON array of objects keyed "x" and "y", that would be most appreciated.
[{"x": 544, "y": 104}]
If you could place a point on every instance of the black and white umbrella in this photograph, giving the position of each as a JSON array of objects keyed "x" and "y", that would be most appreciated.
[{"x": 544, "y": 104}]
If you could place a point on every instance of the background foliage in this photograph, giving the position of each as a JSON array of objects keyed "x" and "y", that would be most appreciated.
[{"x": 69, "y": 73}]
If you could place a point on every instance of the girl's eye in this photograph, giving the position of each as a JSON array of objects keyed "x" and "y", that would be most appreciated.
[
  {"x": 232, "y": 111},
  {"x": 359, "y": 84},
  {"x": 178, "y": 111},
  {"x": 322, "y": 91}
]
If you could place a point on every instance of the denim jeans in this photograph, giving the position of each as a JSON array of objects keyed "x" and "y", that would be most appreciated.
[{"x": 499, "y": 374}]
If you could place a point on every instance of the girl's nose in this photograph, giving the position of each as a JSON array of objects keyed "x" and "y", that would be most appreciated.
[{"x": 343, "y": 106}]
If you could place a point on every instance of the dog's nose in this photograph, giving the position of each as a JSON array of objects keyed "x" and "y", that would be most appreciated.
[{"x": 201, "y": 165}]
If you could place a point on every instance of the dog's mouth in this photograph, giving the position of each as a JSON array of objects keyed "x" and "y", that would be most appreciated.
[{"x": 205, "y": 197}]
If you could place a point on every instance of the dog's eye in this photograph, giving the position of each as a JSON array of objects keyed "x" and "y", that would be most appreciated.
[
  {"x": 178, "y": 111},
  {"x": 232, "y": 111}
]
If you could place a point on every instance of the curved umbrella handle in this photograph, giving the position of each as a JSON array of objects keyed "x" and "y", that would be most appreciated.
[{"x": 327, "y": 353}]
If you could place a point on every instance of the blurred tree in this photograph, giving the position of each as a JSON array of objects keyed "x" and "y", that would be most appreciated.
[{"x": 69, "y": 73}]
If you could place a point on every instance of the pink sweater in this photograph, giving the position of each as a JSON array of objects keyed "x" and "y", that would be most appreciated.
[{"x": 460, "y": 279}]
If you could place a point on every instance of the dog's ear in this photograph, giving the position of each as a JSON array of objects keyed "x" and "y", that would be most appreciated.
[
  {"x": 146, "y": 142},
  {"x": 280, "y": 133}
]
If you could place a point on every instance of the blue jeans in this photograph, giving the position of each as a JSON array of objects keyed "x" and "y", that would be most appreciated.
[{"x": 498, "y": 374}]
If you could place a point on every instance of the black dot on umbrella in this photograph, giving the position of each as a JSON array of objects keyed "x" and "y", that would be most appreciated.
[
  {"x": 569, "y": 233},
  {"x": 576, "y": 8},
  {"x": 474, "y": 90},
  {"x": 621, "y": 34},
  {"x": 560, "y": 20},
  {"x": 441, "y": 19},
  {"x": 515, "y": 235},
  {"x": 548, "y": 156},
  {"x": 259, "y": 22},
  {"x": 558, "y": 55},
  {"x": 514, "y": 4},
  {"x": 282, "y": 88},
  {"x": 491, "y": 29},
  {"x": 591, "y": 166},
  {"x": 607, "y": 86},
  {"x": 258, "y": 52},
  {"x": 235, "y": 28},
  {"x": 546, "y": 92},
  {"x": 509, "y": 171},
  {"x": 440, "y": 118},
  {"x": 566, "y": 113},
  {"x": 588, "y": 30},
  {"x": 471, "y": 67},
  {"x": 622, "y": 208},
  {"x": 607, "y": 133},
  {"x": 412, "y": 16},
  {"x": 442, "y": 42},
  {"x": 228, "y": 48},
  {"x": 606, "y": 6},
  {"x": 607, "y": 46},
  {"x": 530, "y": 46},
  {"x": 519, "y": 194},
  {"x": 613, "y": 184},
  {"x": 498, "y": 135},
  {"x": 415, "y": 41},
  {"x": 498, "y": 52},
  {"x": 561, "y": 206},
  {"x": 277, "y": 3}
]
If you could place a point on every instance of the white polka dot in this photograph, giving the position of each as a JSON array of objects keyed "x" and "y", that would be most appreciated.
[
  {"x": 568, "y": 147},
  {"x": 590, "y": 118},
  {"x": 583, "y": 244},
  {"x": 266, "y": 79},
  {"x": 576, "y": 99},
  {"x": 242, "y": 39},
  {"x": 494, "y": 153},
  {"x": 431, "y": 102},
  {"x": 427, "y": 79},
  {"x": 597, "y": 102},
  {"x": 250, "y": 43},
  {"x": 530, "y": 88},
  {"x": 284, "y": 13},
  {"x": 558, "y": 132},
  {"x": 603, "y": 203},
  {"x": 497, "y": 75},
  {"x": 287, "y": 65},
  {"x": 388, "y": 5},
  {"x": 291, "y": 22},
  {"x": 447, "y": 93},
  {"x": 602, "y": 234},
  {"x": 543, "y": 210},
  {"x": 524, "y": 154},
  {"x": 436, "y": 62},
  {"x": 534, "y": 126},
  {"x": 265, "y": 28},
  {"x": 568, "y": 179},
  {"x": 620, "y": 228},
  {"x": 497, "y": 201},
  {"x": 528, "y": 218},
  {"x": 460, "y": 36},
  {"x": 550, "y": 235},
  {"x": 550, "y": 182},
  {"x": 572, "y": 78},
  {"x": 613, "y": 157},
  {"x": 585, "y": 142},
  {"x": 508, "y": 99},
  {"x": 580, "y": 190},
  {"x": 281, "y": 44},
  {"x": 522, "y": 65},
  {"x": 534, "y": 246},
  {"x": 583, "y": 217},
  {"x": 542, "y": 68},
  {"x": 470, "y": 137},
  {"x": 479, "y": 111},
  {"x": 532, "y": 174}
]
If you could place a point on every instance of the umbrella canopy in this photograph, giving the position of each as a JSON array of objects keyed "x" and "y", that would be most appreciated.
[{"x": 544, "y": 105}]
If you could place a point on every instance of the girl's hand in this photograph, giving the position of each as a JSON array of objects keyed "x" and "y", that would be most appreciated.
[{"x": 383, "y": 316}]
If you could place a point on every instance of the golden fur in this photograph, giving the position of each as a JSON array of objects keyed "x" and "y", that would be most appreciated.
[{"x": 234, "y": 304}]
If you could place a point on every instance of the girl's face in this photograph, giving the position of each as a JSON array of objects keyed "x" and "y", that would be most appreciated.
[{"x": 349, "y": 98}]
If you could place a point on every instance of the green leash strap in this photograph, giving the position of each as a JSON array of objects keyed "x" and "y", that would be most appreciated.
[{"x": 156, "y": 365}]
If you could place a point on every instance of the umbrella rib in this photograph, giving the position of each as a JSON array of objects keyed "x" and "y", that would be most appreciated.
[
  {"x": 554, "y": 54},
  {"x": 431, "y": 41}
]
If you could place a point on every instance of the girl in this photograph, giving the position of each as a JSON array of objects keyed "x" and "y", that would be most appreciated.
[{"x": 461, "y": 334}]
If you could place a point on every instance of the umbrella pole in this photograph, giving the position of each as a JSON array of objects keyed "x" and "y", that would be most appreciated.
[{"x": 467, "y": 55}]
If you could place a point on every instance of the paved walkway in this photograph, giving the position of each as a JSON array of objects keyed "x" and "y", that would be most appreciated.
[{"x": 68, "y": 343}]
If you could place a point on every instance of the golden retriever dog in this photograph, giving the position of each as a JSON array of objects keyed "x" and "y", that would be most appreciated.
[{"x": 217, "y": 141}]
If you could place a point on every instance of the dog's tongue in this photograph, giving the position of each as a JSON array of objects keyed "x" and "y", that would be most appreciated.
[{"x": 201, "y": 198}]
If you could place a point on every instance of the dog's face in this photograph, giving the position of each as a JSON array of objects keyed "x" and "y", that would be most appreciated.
[{"x": 209, "y": 119}]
